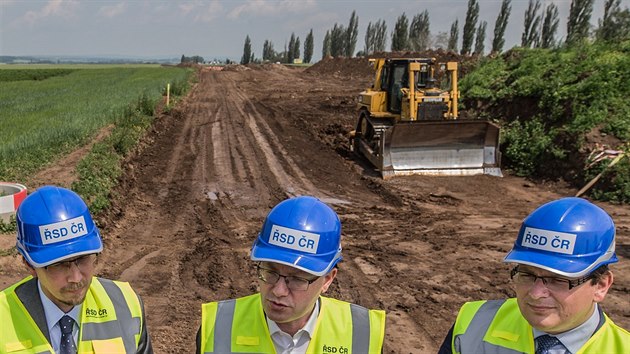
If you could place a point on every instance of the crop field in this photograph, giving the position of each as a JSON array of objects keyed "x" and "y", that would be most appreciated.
[{"x": 48, "y": 110}]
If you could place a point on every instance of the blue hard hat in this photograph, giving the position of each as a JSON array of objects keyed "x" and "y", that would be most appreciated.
[
  {"x": 54, "y": 224},
  {"x": 569, "y": 236},
  {"x": 300, "y": 232}
]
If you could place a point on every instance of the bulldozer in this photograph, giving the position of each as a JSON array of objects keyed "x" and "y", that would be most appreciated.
[{"x": 408, "y": 123}]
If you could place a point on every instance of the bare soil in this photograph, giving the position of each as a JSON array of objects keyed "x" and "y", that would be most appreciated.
[{"x": 195, "y": 195}]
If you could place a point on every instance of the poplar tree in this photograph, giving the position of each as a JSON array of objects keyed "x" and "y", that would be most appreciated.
[
  {"x": 453, "y": 37},
  {"x": 531, "y": 32},
  {"x": 472, "y": 14},
  {"x": 247, "y": 51},
  {"x": 337, "y": 41},
  {"x": 296, "y": 49},
  {"x": 369, "y": 39},
  {"x": 326, "y": 46},
  {"x": 352, "y": 33},
  {"x": 480, "y": 38},
  {"x": 499, "y": 27},
  {"x": 380, "y": 36},
  {"x": 400, "y": 36},
  {"x": 549, "y": 27},
  {"x": 291, "y": 49},
  {"x": 578, "y": 25},
  {"x": 615, "y": 25},
  {"x": 419, "y": 32},
  {"x": 308, "y": 47}
]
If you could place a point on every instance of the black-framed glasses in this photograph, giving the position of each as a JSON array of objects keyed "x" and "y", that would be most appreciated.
[
  {"x": 294, "y": 283},
  {"x": 552, "y": 283},
  {"x": 84, "y": 263}
]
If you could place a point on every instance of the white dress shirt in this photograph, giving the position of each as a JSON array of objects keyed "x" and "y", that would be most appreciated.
[
  {"x": 297, "y": 344},
  {"x": 54, "y": 314}
]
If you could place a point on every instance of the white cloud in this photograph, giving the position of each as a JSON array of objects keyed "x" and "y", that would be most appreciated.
[
  {"x": 54, "y": 8},
  {"x": 270, "y": 7},
  {"x": 112, "y": 10}
]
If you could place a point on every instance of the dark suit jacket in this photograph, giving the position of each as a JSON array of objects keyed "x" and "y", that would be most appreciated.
[{"x": 29, "y": 296}]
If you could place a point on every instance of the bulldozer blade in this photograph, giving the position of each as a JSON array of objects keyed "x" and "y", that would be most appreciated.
[{"x": 451, "y": 148}]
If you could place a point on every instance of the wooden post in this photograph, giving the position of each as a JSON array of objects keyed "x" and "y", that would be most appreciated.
[{"x": 168, "y": 94}]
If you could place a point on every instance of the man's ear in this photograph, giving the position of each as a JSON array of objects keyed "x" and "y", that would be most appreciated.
[
  {"x": 328, "y": 279},
  {"x": 603, "y": 284},
  {"x": 30, "y": 267}
]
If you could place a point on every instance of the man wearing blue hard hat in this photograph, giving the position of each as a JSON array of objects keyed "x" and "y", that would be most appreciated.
[
  {"x": 62, "y": 307},
  {"x": 560, "y": 276},
  {"x": 296, "y": 254}
]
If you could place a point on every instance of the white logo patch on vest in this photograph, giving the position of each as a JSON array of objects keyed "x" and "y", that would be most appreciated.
[
  {"x": 552, "y": 241},
  {"x": 294, "y": 239},
  {"x": 63, "y": 230}
]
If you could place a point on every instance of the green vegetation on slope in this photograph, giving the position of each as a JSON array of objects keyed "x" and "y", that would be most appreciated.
[{"x": 555, "y": 106}]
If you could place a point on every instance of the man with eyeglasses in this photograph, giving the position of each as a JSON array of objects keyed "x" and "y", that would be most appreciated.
[
  {"x": 62, "y": 307},
  {"x": 560, "y": 276},
  {"x": 296, "y": 256}
]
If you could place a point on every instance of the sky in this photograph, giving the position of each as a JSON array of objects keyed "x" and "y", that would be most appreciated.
[{"x": 217, "y": 29}]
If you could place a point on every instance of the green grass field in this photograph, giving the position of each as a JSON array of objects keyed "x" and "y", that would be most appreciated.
[{"x": 48, "y": 110}]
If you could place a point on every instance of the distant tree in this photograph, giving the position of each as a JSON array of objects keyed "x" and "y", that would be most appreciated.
[
  {"x": 549, "y": 27},
  {"x": 453, "y": 37},
  {"x": 472, "y": 14},
  {"x": 579, "y": 25},
  {"x": 308, "y": 47},
  {"x": 531, "y": 32},
  {"x": 337, "y": 40},
  {"x": 368, "y": 47},
  {"x": 499, "y": 27},
  {"x": 352, "y": 33},
  {"x": 419, "y": 32},
  {"x": 247, "y": 51},
  {"x": 326, "y": 46},
  {"x": 400, "y": 36},
  {"x": 268, "y": 52},
  {"x": 615, "y": 25},
  {"x": 440, "y": 40},
  {"x": 183, "y": 59},
  {"x": 296, "y": 49},
  {"x": 480, "y": 38},
  {"x": 380, "y": 36},
  {"x": 291, "y": 49}
]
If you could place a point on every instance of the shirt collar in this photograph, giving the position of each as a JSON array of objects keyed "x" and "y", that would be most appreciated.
[
  {"x": 575, "y": 339},
  {"x": 54, "y": 313},
  {"x": 309, "y": 327}
]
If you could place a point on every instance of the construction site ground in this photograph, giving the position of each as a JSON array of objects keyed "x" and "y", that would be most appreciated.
[{"x": 195, "y": 194}]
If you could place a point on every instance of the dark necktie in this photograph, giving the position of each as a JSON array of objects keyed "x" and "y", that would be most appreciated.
[
  {"x": 67, "y": 345},
  {"x": 545, "y": 343}
]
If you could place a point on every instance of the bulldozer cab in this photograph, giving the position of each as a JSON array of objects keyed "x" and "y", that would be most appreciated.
[{"x": 408, "y": 123}]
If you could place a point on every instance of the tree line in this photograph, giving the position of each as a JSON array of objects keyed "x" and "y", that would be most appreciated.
[{"x": 540, "y": 26}]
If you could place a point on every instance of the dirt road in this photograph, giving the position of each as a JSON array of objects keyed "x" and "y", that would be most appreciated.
[{"x": 193, "y": 199}]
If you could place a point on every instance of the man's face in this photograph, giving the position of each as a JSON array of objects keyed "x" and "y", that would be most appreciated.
[
  {"x": 66, "y": 283},
  {"x": 291, "y": 307},
  {"x": 562, "y": 310}
]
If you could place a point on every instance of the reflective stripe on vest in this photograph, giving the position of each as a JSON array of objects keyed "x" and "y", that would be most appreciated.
[
  {"x": 472, "y": 341},
  {"x": 124, "y": 324}
]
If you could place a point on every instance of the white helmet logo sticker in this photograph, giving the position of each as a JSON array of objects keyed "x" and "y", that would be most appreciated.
[
  {"x": 547, "y": 240},
  {"x": 294, "y": 239},
  {"x": 62, "y": 231}
]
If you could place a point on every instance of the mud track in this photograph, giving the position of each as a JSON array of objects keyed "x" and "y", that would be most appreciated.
[{"x": 193, "y": 200}]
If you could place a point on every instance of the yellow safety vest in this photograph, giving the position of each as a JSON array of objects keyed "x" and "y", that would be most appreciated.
[
  {"x": 111, "y": 321},
  {"x": 239, "y": 326},
  {"x": 497, "y": 326}
]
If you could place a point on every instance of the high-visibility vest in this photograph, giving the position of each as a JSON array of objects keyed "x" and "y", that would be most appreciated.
[
  {"x": 239, "y": 326},
  {"x": 497, "y": 326},
  {"x": 111, "y": 321}
]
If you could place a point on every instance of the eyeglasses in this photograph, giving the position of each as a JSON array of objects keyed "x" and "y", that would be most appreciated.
[
  {"x": 84, "y": 263},
  {"x": 552, "y": 283},
  {"x": 292, "y": 282}
]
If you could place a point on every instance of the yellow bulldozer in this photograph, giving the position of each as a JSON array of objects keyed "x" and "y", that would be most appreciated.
[{"x": 408, "y": 123}]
